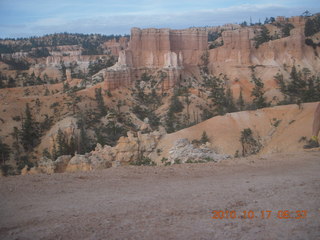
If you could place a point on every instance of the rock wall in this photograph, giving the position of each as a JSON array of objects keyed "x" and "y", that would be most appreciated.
[
  {"x": 170, "y": 50},
  {"x": 116, "y": 46},
  {"x": 238, "y": 54}
]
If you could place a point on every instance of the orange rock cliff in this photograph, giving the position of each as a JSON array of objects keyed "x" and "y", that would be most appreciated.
[
  {"x": 157, "y": 49},
  {"x": 175, "y": 52}
]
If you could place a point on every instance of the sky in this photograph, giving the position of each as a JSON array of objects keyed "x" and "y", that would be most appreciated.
[{"x": 24, "y": 18}]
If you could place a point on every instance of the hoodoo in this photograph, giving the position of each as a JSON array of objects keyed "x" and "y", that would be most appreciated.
[{"x": 152, "y": 50}]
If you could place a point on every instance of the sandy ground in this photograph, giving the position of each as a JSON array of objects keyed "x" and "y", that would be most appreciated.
[{"x": 173, "y": 202}]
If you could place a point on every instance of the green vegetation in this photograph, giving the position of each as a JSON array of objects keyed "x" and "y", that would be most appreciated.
[
  {"x": 144, "y": 161},
  {"x": 312, "y": 25},
  {"x": 165, "y": 161},
  {"x": 63, "y": 145},
  {"x": 15, "y": 63},
  {"x": 100, "y": 102},
  {"x": 212, "y": 36},
  {"x": 221, "y": 96},
  {"x": 276, "y": 122},
  {"x": 262, "y": 36},
  {"x": 100, "y": 63},
  {"x": 147, "y": 100},
  {"x": 89, "y": 42},
  {"x": 249, "y": 144},
  {"x": 205, "y": 62},
  {"x": 286, "y": 28},
  {"x": 259, "y": 101},
  {"x": 30, "y": 134},
  {"x": 240, "y": 102},
  {"x": 171, "y": 121},
  {"x": 203, "y": 140},
  {"x": 300, "y": 87},
  {"x": 4, "y": 152}
]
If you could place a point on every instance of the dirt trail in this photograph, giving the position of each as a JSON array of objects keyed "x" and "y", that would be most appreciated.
[{"x": 173, "y": 202}]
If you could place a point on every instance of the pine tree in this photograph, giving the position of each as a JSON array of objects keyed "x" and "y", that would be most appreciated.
[
  {"x": 230, "y": 106},
  {"x": 4, "y": 152},
  {"x": 62, "y": 144},
  {"x": 100, "y": 102},
  {"x": 309, "y": 29},
  {"x": 84, "y": 140},
  {"x": 15, "y": 145},
  {"x": 170, "y": 122},
  {"x": 204, "y": 137},
  {"x": 29, "y": 132},
  {"x": 205, "y": 62},
  {"x": 240, "y": 101},
  {"x": 262, "y": 37},
  {"x": 175, "y": 105},
  {"x": 297, "y": 85},
  {"x": 217, "y": 93},
  {"x": 2, "y": 85},
  {"x": 259, "y": 101}
]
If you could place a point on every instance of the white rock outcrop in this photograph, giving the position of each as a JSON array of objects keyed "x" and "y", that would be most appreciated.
[{"x": 183, "y": 151}]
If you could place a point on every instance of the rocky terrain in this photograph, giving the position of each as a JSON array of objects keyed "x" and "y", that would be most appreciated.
[{"x": 75, "y": 102}]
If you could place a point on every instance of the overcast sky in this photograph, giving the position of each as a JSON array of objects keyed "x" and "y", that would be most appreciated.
[{"x": 23, "y": 18}]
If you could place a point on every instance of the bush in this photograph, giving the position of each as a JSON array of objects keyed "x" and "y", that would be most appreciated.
[
  {"x": 312, "y": 26},
  {"x": 249, "y": 144},
  {"x": 144, "y": 161},
  {"x": 7, "y": 170},
  {"x": 262, "y": 37}
]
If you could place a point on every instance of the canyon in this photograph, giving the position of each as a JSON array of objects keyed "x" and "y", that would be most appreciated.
[
  {"x": 138, "y": 80},
  {"x": 194, "y": 133}
]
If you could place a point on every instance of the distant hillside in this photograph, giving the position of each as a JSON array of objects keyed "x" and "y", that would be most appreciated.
[{"x": 89, "y": 42}]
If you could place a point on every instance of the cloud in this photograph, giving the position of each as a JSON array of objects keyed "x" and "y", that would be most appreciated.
[{"x": 122, "y": 22}]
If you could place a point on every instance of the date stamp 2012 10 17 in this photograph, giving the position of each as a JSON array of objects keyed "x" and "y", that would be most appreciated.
[{"x": 264, "y": 214}]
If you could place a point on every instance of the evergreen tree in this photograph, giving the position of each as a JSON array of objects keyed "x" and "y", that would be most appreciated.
[
  {"x": 29, "y": 132},
  {"x": 114, "y": 131},
  {"x": 2, "y": 85},
  {"x": 100, "y": 102},
  {"x": 15, "y": 145},
  {"x": 63, "y": 70},
  {"x": 72, "y": 146},
  {"x": 205, "y": 62},
  {"x": 99, "y": 137},
  {"x": 262, "y": 37},
  {"x": 62, "y": 144},
  {"x": 45, "y": 153},
  {"x": 240, "y": 101},
  {"x": 230, "y": 106},
  {"x": 54, "y": 153},
  {"x": 11, "y": 83},
  {"x": 170, "y": 122},
  {"x": 4, "y": 152},
  {"x": 286, "y": 29},
  {"x": 84, "y": 140},
  {"x": 296, "y": 86},
  {"x": 309, "y": 29},
  {"x": 204, "y": 138},
  {"x": 217, "y": 93},
  {"x": 66, "y": 86},
  {"x": 175, "y": 105},
  {"x": 259, "y": 101}
]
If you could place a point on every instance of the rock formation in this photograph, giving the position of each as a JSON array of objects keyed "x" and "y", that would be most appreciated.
[
  {"x": 183, "y": 151},
  {"x": 128, "y": 150},
  {"x": 150, "y": 49}
]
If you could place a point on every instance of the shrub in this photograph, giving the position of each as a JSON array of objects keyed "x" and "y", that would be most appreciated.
[
  {"x": 262, "y": 37},
  {"x": 7, "y": 170},
  {"x": 249, "y": 144},
  {"x": 143, "y": 161}
]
